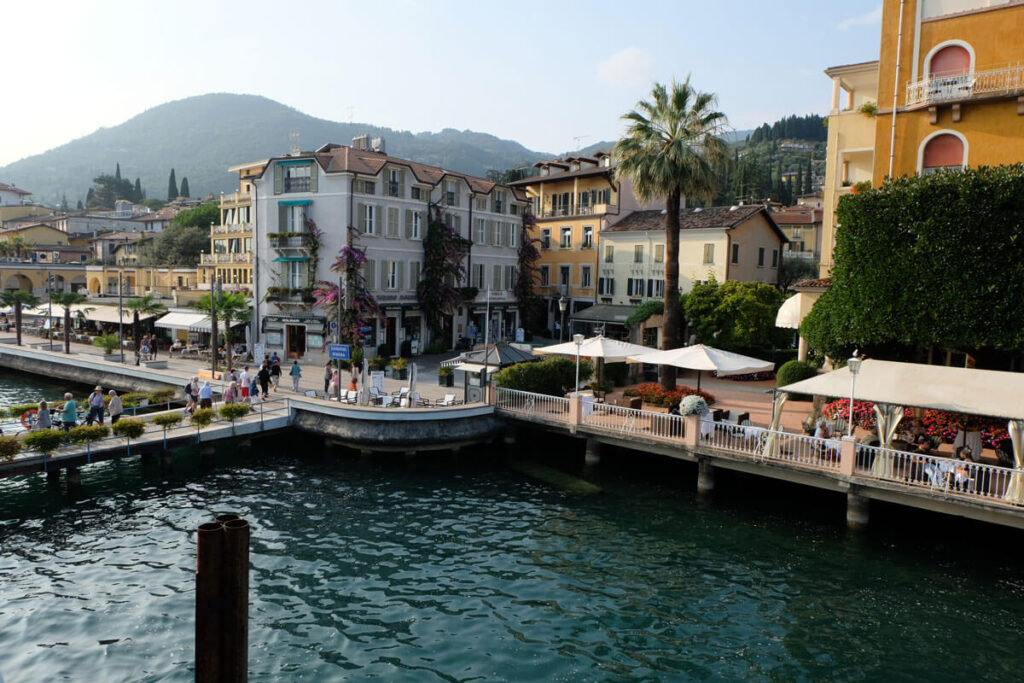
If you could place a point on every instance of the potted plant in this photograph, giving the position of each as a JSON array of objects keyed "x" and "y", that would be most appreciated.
[
  {"x": 202, "y": 418},
  {"x": 869, "y": 108},
  {"x": 107, "y": 342},
  {"x": 166, "y": 421},
  {"x": 86, "y": 434},
  {"x": 399, "y": 368},
  {"x": 862, "y": 186},
  {"x": 9, "y": 447},
  {"x": 46, "y": 441},
  {"x": 233, "y": 411},
  {"x": 445, "y": 376}
]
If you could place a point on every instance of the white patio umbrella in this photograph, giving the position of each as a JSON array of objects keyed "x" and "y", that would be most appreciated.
[
  {"x": 700, "y": 358},
  {"x": 610, "y": 350}
]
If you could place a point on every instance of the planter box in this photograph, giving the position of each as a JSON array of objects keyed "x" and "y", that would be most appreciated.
[{"x": 446, "y": 380}]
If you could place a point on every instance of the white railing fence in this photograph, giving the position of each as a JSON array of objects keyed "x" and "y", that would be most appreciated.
[
  {"x": 538, "y": 405},
  {"x": 941, "y": 88},
  {"x": 933, "y": 472},
  {"x": 623, "y": 420}
]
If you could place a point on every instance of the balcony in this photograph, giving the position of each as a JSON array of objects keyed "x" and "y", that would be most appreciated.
[
  {"x": 223, "y": 259},
  {"x": 290, "y": 295},
  {"x": 569, "y": 211},
  {"x": 291, "y": 240},
  {"x": 239, "y": 229},
  {"x": 937, "y": 89}
]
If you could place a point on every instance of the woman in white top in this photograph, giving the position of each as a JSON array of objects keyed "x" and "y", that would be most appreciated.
[
  {"x": 114, "y": 407},
  {"x": 43, "y": 420}
]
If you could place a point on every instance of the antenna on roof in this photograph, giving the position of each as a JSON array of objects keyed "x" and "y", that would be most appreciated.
[
  {"x": 294, "y": 137},
  {"x": 578, "y": 139}
]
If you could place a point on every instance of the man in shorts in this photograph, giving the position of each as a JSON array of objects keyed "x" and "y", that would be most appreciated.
[{"x": 244, "y": 380}]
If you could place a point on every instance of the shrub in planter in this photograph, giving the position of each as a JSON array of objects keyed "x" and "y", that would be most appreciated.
[
  {"x": 167, "y": 420},
  {"x": 693, "y": 405},
  {"x": 45, "y": 441},
  {"x": 162, "y": 396},
  {"x": 133, "y": 399},
  {"x": 203, "y": 417},
  {"x": 445, "y": 376},
  {"x": 107, "y": 342},
  {"x": 377, "y": 362},
  {"x": 795, "y": 371},
  {"x": 653, "y": 394},
  {"x": 9, "y": 447},
  {"x": 17, "y": 411},
  {"x": 233, "y": 411},
  {"x": 552, "y": 376},
  {"x": 131, "y": 429},
  {"x": 85, "y": 434}
]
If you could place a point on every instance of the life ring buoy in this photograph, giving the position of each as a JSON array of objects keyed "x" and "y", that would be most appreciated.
[{"x": 28, "y": 418}]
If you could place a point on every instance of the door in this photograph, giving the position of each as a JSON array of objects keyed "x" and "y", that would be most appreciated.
[
  {"x": 390, "y": 335},
  {"x": 295, "y": 340}
]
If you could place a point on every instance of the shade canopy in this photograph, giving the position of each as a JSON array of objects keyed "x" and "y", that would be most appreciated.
[
  {"x": 701, "y": 357},
  {"x": 610, "y": 350},
  {"x": 960, "y": 390},
  {"x": 794, "y": 309},
  {"x": 108, "y": 314},
  {"x": 180, "y": 320}
]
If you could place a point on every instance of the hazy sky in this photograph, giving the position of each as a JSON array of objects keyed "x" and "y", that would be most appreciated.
[{"x": 541, "y": 73}]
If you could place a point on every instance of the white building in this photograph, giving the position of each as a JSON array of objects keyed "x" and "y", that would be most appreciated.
[
  {"x": 728, "y": 243},
  {"x": 13, "y": 196},
  {"x": 383, "y": 202}
]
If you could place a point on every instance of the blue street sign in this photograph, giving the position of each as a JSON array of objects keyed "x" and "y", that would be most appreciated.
[
  {"x": 334, "y": 325},
  {"x": 339, "y": 352}
]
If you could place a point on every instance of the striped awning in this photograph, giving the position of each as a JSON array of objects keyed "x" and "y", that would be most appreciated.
[{"x": 183, "y": 321}]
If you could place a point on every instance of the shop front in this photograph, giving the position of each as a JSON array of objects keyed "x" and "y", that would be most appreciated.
[{"x": 294, "y": 336}]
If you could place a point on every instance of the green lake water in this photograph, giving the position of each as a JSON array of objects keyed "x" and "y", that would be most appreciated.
[{"x": 464, "y": 568}]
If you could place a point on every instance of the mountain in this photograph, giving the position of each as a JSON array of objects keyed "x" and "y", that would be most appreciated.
[{"x": 200, "y": 137}]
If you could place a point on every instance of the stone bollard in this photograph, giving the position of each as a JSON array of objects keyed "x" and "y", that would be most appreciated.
[
  {"x": 691, "y": 431},
  {"x": 593, "y": 453},
  {"x": 856, "y": 511},
  {"x": 848, "y": 455},
  {"x": 705, "y": 476}
]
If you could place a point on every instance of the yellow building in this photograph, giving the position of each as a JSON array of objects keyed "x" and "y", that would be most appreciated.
[
  {"x": 949, "y": 89},
  {"x": 231, "y": 242},
  {"x": 37, "y": 234},
  {"x": 573, "y": 200}
]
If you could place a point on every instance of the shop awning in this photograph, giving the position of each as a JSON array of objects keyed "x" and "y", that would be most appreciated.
[
  {"x": 603, "y": 313},
  {"x": 477, "y": 367},
  {"x": 108, "y": 314},
  {"x": 183, "y": 321},
  {"x": 794, "y": 309},
  {"x": 296, "y": 202},
  {"x": 290, "y": 259},
  {"x": 204, "y": 325}
]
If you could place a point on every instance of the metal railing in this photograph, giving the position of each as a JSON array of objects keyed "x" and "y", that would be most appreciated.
[
  {"x": 622, "y": 420},
  {"x": 797, "y": 449},
  {"x": 232, "y": 228},
  {"x": 944, "y": 88},
  {"x": 956, "y": 477},
  {"x": 536, "y": 405},
  {"x": 226, "y": 258}
]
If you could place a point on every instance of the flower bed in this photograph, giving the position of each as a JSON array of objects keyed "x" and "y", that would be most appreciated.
[
  {"x": 935, "y": 423},
  {"x": 655, "y": 395}
]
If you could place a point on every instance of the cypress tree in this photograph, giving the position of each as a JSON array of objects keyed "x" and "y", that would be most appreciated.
[
  {"x": 138, "y": 191},
  {"x": 64, "y": 202},
  {"x": 184, "y": 186},
  {"x": 117, "y": 173},
  {"x": 88, "y": 197},
  {"x": 809, "y": 178},
  {"x": 800, "y": 180},
  {"x": 172, "y": 187},
  {"x": 79, "y": 207}
]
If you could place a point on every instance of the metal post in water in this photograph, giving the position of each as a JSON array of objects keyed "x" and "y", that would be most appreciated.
[{"x": 222, "y": 600}]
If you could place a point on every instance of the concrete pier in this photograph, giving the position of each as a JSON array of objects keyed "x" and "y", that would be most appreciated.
[
  {"x": 593, "y": 453},
  {"x": 53, "y": 475},
  {"x": 74, "y": 476},
  {"x": 857, "y": 511},
  {"x": 705, "y": 476}
]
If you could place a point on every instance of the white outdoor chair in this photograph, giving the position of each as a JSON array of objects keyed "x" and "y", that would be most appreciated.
[{"x": 448, "y": 400}]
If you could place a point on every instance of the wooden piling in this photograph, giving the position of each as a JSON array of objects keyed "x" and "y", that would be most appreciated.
[
  {"x": 209, "y": 608},
  {"x": 235, "y": 662}
]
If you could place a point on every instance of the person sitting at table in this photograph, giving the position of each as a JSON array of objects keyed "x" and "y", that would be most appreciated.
[{"x": 823, "y": 430}]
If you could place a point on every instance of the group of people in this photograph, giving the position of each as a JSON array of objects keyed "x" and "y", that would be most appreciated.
[
  {"x": 243, "y": 386},
  {"x": 148, "y": 347},
  {"x": 47, "y": 418},
  {"x": 332, "y": 378}
]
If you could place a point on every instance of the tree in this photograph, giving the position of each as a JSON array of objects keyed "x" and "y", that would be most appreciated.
[
  {"x": 735, "y": 315},
  {"x": 18, "y": 244},
  {"x": 140, "y": 194},
  {"x": 927, "y": 261},
  {"x": 186, "y": 236},
  {"x": 107, "y": 189},
  {"x": 18, "y": 298},
  {"x": 145, "y": 305},
  {"x": 230, "y": 309},
  {"x": 66, "y": 300},
  {"x": 79, "y": 206},
  {"x": 184, "y": 187},
  {"x": 673, "y": 148},
  {"x": 117, "y": 173},
  {"x": 172, "y": 187},
  {"x": 444, "y": 254},
  {"x": 64, "y": 202},
  {"x": 795, "y": 269}
]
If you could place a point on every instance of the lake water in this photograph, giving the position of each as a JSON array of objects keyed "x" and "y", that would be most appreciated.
[{"x": 463, "y": 568}]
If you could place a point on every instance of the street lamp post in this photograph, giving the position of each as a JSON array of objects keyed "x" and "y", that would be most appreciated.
[
  {"x": 578, "y": 340},
  {"x": 120, "y": 312},
  {"x": 854, "y": 364},
  {"x": 49, "y": 313},
  {"x": 561, "y": 307}
]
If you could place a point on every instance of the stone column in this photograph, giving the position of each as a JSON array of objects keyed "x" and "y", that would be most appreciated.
[
  {"x": 848, "y": 455},
  {"x": 691, "y": 431},
  {"x": 856, "y": 511},
  {"x": 705, "y": 476}
]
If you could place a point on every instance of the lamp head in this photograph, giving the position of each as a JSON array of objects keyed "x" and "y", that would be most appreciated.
[
  {"x": 561, "y": 304},
  {"x": 854, "y": 364},
  {"x": 577, "y": 339}
]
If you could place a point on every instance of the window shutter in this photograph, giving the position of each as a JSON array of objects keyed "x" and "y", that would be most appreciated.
[
  {"x": 408, "y": 224},
  {"x": 600, "y": 285},
  {"x": 401, "y": 274},
  {"x": 282, "y": 218},
  {"x": 423, "y": 224},
  {"x": 384, "y": 268},
  {"x": 629, "y": 287},
  {"x": 314, "y": 175},
  {"x": 611, "y": 286},
  {"x": 361, "y": 210},
  {"x": 458, "y": 198},
  {"x": 458, "y": 224},
  {"x": 369, "y": 273},
  {"x": 393, "y": 221},
  {"x": 278, "y": 179},
  {"x": 496, "y": 280},
  {"x": 401, "y": 182},
  {"x": 650, "y": 288}
]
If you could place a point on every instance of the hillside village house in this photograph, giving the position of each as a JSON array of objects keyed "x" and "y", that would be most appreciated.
[
  {"x": 574, "y": 200},
  {"x": 725, "y": 242},
  {"x": 13, "y": 196},
  {"x": 381, "y": 202}
]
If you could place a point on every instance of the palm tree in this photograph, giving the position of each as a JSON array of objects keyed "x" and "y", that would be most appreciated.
[
  {"x": 229, "y": 308},
  {"x": 17, "y": 244},
  {"x": 5, "y": 249},
  {"x": 145, "y": 305},
  {"x": 18, "y": 298},
  {"x": 66, "y": 300},
  {"x": 672, "y": 149}
]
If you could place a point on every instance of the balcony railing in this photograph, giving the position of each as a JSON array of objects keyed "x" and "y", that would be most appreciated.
[
  {"x": 593, "y": 210},
  {"x": 954, "y": 87},
  {"x": 291, "y": 240},
  {"x": 232, "y": 229},
  {"x": 296, "y": 184},
  {"x": 214, "y": 259}
]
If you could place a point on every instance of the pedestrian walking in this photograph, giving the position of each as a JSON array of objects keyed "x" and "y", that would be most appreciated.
[
  {"x": 69, "y": 416},
  {"x": 328, "y": 371},
  {"x": 332, "y": 387},
  {"x": 206, "y": 395},
  {"x": 114, "y": 407},
  {"x": 43, "y": 418},
  {"x": 244, "y": 381},
  {"x": 95, "y": 406},
  {"x": 296, "y": 373},
  {"x": 254, "y": 391},
  {"x": 264, "y": 377},
  {"x": 275, "y": 374},
  {"x": 231, "y": 393},
  {"x": 191, "y": 394}
]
